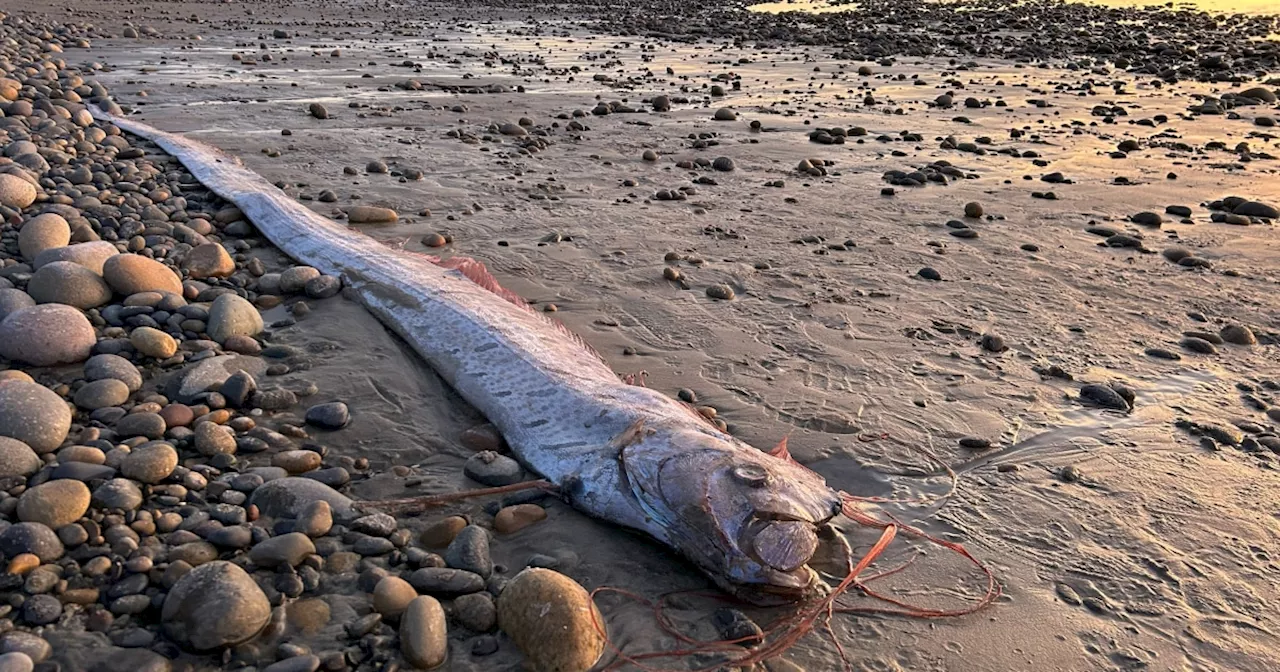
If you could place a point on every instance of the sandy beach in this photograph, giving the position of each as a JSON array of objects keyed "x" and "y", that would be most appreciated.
[{"x": 1005, "y": 235}]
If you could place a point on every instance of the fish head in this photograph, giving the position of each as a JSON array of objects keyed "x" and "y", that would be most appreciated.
[{"x": 750, "y": 520}]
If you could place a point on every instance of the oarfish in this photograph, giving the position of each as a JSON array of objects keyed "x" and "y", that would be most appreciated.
[{"x": 620, "y": 452}]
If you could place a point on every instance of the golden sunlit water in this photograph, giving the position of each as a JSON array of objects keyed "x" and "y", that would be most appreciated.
[{"x": 1229, "y": 6}]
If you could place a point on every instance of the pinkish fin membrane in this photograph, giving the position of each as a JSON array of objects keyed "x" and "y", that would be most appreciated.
[
  {"x": 780, "y": 451},
  {"x": 476, "y": 272}
]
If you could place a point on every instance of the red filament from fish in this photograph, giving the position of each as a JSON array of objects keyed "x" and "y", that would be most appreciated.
[{"x": 783, "y": 633}]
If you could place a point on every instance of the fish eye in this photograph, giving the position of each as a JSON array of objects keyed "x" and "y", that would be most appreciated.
[{"x": 753, "y": 475}]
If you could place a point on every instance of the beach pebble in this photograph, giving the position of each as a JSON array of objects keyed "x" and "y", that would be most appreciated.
[
  {"x": 508, "y": 128},
  {"x": 424, "y": 641},
  {"x": 150, "y": 463},
  {"x": 1256, "y": 209},
  {"x": 148, "y": 425},
  {"x": 214, "y": 605},
  {"x": 323, "y": 287},
  {"x": 295, "y": 278},
  {"x": 17, "y": 641},
  {"x": 230, "y": 316},
  {"x": 720, "y": 292},
  {"x": 177, "y": 415},
  {"x": 491, "y": 469},
  {"x": 13, "y": 300},
  {"x": 23, "y": 564},
  {"x": 297, "y": 461},
  {"x": 315, "y": 520},
  {"x": 725, "y": 114},
  {"x": 193, "y": 553},
  {"x": 483, "y": 437},
  {"x": 446, "y": 581},
  {"x": 213, "y": 374},
  {"x": 992, "y": 343},
  {"x": 47, "y": 335},
  {"x": 213, "y": 439},
  {"x": 442, "y": 532},
  {"x": 476, "y": 612},
  {"x": 1104, "y": 396},
  {"x": 244, "y": 345},
  {"x": 368, "y": 214},
  {"x": 551, "y": 619},
  {"x": 132, "y": 274},
  {"x": 288, "y": 497},
  {"x": 1200, "y": 345},
  {"x": 1238, "y": 334},
  {"x": 376, "y": 524},
  {"x": 54, "y": 504},
  {"x": 101, "y": 394},
  {"x": 973, "y": 210},
  {"x": 392, "y": 596},
  {"x": 469, "y": 551},
  {"x": 89, "y": 454},
  {"x": 43, "y": 232},
  {"x": 41, "y": 610},
  {"x": 511, "y": 519},
  {"x": 1147, "y": 219},
  {"x": 333, "y": 415},
  {"x": 153, "y": 342},
  {"x": 118, "y": 494},
  {"x": 210, "y": 260},
  {"x": 16, "y": 662},
  {"x": 735, "y": 626},
  {"x": 102, "y": 367},
  {"x": 34, "y": 538},
  {"x": 34, "y": 415},
  {"x": 16, "y": 192},
  {"x": 287, "y": 549},
  {"x": 16, "y": 458},
  {"x": 318, "y": 111}
]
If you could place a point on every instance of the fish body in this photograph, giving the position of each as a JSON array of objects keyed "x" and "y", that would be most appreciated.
[{"x": 619, "y": 452}]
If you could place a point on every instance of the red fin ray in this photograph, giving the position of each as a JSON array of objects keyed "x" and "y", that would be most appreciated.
[
  {"x": 475, "y": 271},
  {"x": 780, "y": 451}
]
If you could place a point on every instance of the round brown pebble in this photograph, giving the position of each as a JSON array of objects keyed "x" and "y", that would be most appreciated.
[
  {"x": 442, "y": 532},
  {"x": 133, "y": 273},
  {"x": 23, "y": 563},
  {"x": 515, "y": 518},
  {"x": 483, "y": 437},
  {"x": 973, "y": 210},
  {"x": 392, "y": 596},
  {"x": 54, "y": 504},
  {"x": 153, "y": 342},
  {"x": 177, "y": 415},
  {"x": 721, "y": 292},
  {"x": 552, "y": 620},
  {"x": 368, "y": 214},
  {"x": 424, "y": 641},
  {"x": 434, "y": 240}
]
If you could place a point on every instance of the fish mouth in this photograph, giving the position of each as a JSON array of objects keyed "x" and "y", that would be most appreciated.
[{"x": 781, "y": 544}]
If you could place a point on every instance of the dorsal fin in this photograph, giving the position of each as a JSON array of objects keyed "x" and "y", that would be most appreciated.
[
  {"x": 476, "y": 272},
  {"x": 780, "y": 451}
]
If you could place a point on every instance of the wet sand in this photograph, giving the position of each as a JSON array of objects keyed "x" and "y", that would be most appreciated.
[{"x": 1152, "y": 551}]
